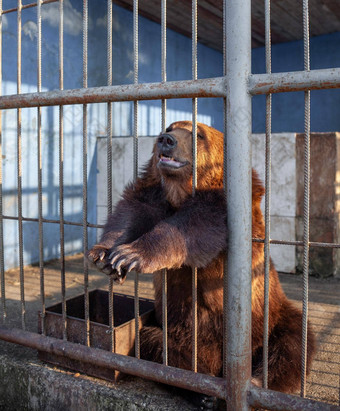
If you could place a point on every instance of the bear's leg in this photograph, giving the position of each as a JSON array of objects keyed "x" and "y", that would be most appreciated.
[
  {"x": 284, "y": 352},
  {"x": 151, "y": 348}
]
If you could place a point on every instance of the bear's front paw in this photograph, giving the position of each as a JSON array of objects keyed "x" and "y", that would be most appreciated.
[
  {"x": 99, "y": 256},
  {"x": 126, "y": 258}
]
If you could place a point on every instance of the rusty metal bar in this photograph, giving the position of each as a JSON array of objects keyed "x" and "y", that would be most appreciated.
[
  {"x": 213, "y": 87},
  {"x": 85, "y": 234},
  {"x": 40, "y": 207},
  {"x": 255, "y": 240},
  {"x": 194, "y": 180},
  {"x": 299, "y": 243},
  {"x": 225, "y": 266},
  {"x": 238, "y": 160},
  {"x": 267, "y": 199},
  {"x": 2, "y": 257},
  {"x": 164, "y": 271},
  {"x": 19, "y": 174},
  {"x": 61, "y": 171},
  {"x": 215, "y": 386},
  {"x": 210, "y": 87},
  {"x": 109, "y": 159},
  {"x": 306, "y": 206},
  {"x": 46, "y": 220},
  {"x": 294, "y": 81},
  {"x": 163, "y": 58},
  {"x": 158, "y": 372},
  {"x": 273, "y": 400},
  {"x": 27, "y": 6},
  {"x": 135, "y": 162}
]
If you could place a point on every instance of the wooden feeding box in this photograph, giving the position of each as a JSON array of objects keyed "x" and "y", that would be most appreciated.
[{"x": 124, "y": 331}]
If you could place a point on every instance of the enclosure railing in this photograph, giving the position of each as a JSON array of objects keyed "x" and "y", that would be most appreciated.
[{"x": 236, "y": 86}]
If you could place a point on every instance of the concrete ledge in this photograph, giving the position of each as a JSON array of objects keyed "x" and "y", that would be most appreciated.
[{"x": 27, "y": 384}]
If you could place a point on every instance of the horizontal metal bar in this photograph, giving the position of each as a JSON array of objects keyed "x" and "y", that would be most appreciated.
[
  {"x": 294, "y": 81},
  {"x": 158, "y": 372},
  {"x": 273, "y": 400},
  {"x": 257, "y": 397},
  {"x": 210, "y": 87},
  {"x": 46, "y": 220},
  {"x": 255, "y": 240},
  {"x": 28, "y": 6},
  {"x": 298, "y": 243}
]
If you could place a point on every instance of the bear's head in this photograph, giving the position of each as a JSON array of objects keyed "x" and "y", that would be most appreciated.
[{"x": 173, "y": 159}]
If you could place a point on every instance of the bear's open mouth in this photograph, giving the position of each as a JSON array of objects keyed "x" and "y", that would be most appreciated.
[{"x": 171, "y": 162}]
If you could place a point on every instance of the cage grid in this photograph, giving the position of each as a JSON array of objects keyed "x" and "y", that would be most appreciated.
[{"x": 236, "y": 87}]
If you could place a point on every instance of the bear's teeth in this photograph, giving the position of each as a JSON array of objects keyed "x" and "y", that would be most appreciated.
[{"x": 164, "y": 158}]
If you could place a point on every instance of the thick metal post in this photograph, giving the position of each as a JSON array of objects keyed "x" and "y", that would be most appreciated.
[{"x": 238, "y": 163}]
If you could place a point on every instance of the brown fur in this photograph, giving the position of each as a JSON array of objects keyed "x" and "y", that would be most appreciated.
[{"x": 158, "y": 224}]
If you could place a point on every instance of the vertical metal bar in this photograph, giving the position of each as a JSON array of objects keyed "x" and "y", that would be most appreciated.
[
  {"x": 85, "y": 235},
  {"x": 306, "y": 202},
  {"x": 109, "y": 107},
  {"x": 163, "y": 57},
  {"x": 267, "y": 200},
  {"x": 164, "y": 271},
  {"x": 19, "y": 173},
  {"x": 109, "y": 159},
  {"x": 40, "y": 208},
  {"x": 225, "y": 266},
  {"x": 61, "y": 170},
  {"x": 238, "y": 163},
  {"x": 135, "y": 162},
  {"x": 2, "y": 259},
  {"x": 194, "y": 179}
]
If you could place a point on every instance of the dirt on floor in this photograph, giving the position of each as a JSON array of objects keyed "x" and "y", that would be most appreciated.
[{"x": 323, "y": 383}]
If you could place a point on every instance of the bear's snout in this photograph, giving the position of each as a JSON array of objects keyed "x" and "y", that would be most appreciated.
[{"x": 166, "y": 143}]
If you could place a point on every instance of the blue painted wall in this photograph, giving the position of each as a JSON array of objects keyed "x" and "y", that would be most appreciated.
[{"x": 288, "y": 108}]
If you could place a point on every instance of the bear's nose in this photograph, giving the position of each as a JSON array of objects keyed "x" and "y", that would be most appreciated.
[{"x": 167, "y": 141}]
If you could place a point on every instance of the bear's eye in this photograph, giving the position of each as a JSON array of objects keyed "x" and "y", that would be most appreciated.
[
  {"x": 168, "y": 129},
  {"x": 200, "y": 136}
]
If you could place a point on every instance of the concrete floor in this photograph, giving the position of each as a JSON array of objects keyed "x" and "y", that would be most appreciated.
[{"x": 324, "y": 312}]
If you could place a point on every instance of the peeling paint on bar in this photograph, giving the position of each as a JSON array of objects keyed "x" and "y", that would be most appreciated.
[
  {"x": 158, "y": 372},
  {"x": 273, "y": 400},
  {"x": 211, "y": 87},
  {"x": 294, "y": 81}
]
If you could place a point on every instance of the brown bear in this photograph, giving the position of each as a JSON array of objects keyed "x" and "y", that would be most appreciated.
[{"x": 159, "y": 224}]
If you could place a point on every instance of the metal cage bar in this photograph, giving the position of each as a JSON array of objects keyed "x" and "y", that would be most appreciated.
[
  {"x": 19, "y": 175},
  {"x": 158, "y": 372},
  {"x": 267, "y": 200},
  {"x": 61, "y": 172},
  {"x": 238, "y": 162},
  {"x": 135, "y": 162},
  {"x": 85, "y": 234},
  {"x": 40, "y": 207},
  {"x": 27, "y": 6},
  {"x": 209, "y": 87},
  {"x": 225, "y": 266},
  {"x": 109, "y": 158},
  {"x": 194, "y": 180},
  {"x": 164, "y": 271},
  {"x": 2, "y": 257},
  {"x": 306, "y": 207}
]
